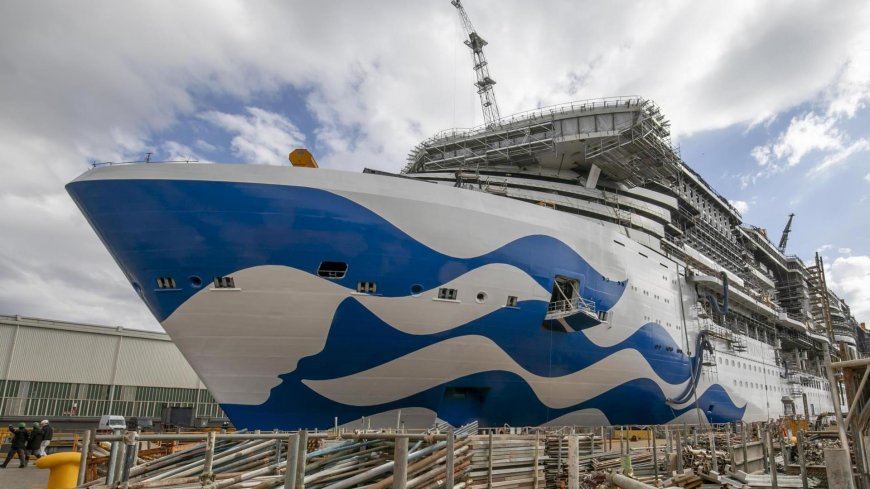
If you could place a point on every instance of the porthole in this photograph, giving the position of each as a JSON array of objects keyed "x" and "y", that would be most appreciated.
[
  {"x": 481, "y": 297},
  {"x": 195, "y": 281},
  {"x": 416, "y": 289}
]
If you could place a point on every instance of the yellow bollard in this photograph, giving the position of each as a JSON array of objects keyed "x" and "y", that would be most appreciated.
[{"x": 63, "y": 467}]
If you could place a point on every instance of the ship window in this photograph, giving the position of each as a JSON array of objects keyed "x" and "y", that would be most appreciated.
[
  {"x": 224, "y": 283},
  {"x": 512, "y": 301},
  {"x": 619, "y": 243},
  {"x": 367, "y": 287},
  {"x": 447, "y": 294},
  {"x": 641, "y": 254},
  {"x": 165, "y": 283},
  {"x": 195, "y": 281},
  {"x": 332, "y": 269}
]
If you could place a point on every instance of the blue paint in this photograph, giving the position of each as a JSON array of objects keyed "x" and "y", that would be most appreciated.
[{"x": 157, "y": 228}]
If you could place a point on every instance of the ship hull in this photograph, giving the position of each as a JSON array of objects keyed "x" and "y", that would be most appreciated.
[{"x": 289, "y": 346}]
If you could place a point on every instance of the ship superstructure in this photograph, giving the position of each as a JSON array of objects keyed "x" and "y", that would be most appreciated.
[{"x": 611, "y": 160}]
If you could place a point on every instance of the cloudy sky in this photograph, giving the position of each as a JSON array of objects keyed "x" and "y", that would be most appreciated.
[{"x": 768, "y": 101}]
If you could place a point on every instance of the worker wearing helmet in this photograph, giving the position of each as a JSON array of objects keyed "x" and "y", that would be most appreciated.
[
  {"x": 33, "y": 444},
  {"x": 47, "y": 434},
  {"x": 18, "y": 445}
]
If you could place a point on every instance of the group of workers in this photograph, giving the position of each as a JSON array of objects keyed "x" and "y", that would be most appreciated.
[{"x": 32, "y": 442}]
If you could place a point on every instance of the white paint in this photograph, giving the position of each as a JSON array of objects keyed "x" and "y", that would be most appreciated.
[
  {"x": 416, "y": 417},
  {"x": 239, "y": 342},
  {"x": 583, "y": 417}
]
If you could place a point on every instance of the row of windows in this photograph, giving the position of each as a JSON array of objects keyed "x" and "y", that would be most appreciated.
[
  {"x": 31, "y": 398},
  {"x": 756, "y": 368},
  {"x": 710, "y": 213},
  {"x": 772, "y": 388}
]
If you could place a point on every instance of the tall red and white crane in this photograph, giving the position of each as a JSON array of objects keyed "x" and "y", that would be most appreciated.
[{"x": 484, "y": 82}]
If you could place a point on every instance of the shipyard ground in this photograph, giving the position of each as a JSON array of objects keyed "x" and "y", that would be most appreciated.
[{"x": 27, "y": 478}]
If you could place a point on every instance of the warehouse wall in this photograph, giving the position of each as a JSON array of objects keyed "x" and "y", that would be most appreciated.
[{"x": 53, "y": 368}]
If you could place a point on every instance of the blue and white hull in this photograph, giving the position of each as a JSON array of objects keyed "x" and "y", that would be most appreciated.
[{"x": 282, "y": 346}]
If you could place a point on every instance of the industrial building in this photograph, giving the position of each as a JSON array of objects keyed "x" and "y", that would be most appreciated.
[{"x": 62, "y": 369}]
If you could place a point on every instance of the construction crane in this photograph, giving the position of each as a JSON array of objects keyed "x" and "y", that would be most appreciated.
[
  {"x": 484, "y": 82},
  {"x": 784, "y": 239}
]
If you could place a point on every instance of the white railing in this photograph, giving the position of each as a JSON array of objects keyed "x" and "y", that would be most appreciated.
[
  {"x": 568, "y": 307},
  {"x": 581, "y": 105}
]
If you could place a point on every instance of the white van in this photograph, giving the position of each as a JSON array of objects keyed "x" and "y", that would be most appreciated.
[{"x": 109, "y": 422}]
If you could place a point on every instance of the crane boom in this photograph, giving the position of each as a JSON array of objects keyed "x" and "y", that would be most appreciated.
[
  {"x": 484, "y": 82},
  {"x": 784, "y": 240}
]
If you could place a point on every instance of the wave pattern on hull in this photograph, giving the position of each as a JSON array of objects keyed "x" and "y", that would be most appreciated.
[
  {"x": 356, "y": 343},
  {"x": 538, "y": 350}
]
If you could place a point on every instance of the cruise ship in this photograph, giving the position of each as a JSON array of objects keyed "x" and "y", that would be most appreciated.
[{"x": 562, "y": 266}]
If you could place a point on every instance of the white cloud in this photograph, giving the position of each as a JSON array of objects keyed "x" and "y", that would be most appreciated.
[
  {"x": 867, "y": 177},
  {"x": 260, "y": 136},
  {"x": 825, "y": 247},
  {"x": 175, "y": 151},
  {"x": 840, "y": 156},
  {"x": 807, "y": 133},
  {"x": 852, "y": 90},
  {"x": 849, "y": 277},
  {"x": 762, "y": 154},
  {"x": 844, "y": 251},
  {"x": 741, "y": 205},
  {"x": 205, "y": 146}
]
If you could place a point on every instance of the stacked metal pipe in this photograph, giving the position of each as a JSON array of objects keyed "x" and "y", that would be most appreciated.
[{"x": 342, "y": 461}]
